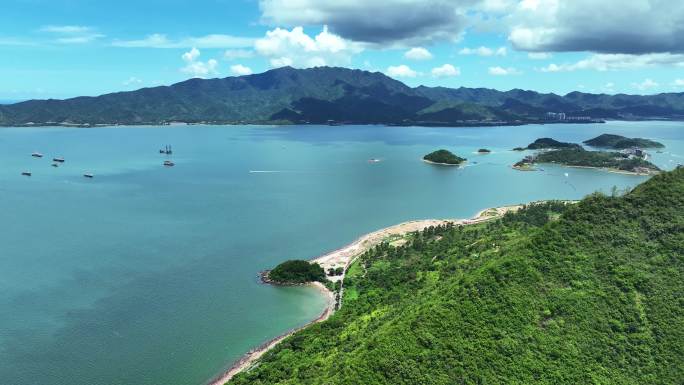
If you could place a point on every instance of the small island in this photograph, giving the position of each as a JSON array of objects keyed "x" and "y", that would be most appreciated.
[
  {"x": 295, "y": 272},
  {"x": 549, "y": 143},
  {"x": 612, "y": 161},
  {"x": 518, "y": 149},
  {"x": 444, "y": 157},
  {"x": 619, "y": 142},
  {"x": 483, "y": 151}
]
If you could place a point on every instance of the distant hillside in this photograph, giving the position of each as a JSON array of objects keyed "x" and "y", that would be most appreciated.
[
  {"x": 330, "y": 95},
  {"x": 620, "y": 142}
]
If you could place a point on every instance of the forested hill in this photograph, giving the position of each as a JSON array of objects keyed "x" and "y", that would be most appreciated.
[
  {"x": 591, "y": 293},
  {"x": 331, "y": 95}
]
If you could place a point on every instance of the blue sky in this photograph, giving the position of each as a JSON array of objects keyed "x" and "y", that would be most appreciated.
[{"x": 65, "y": 48}]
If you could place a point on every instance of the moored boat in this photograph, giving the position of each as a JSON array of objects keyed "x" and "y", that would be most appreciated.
[
  {"x": 37, "y": 155},
  {"x": 26, "y": 173},
  {"x": 58, "y": 159},
  {"x": 88, "y": 175},
  {"x": 169, "y": 163}
]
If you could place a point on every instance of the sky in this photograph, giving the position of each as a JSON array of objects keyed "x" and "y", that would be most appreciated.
[{"x": 67, "y": 48}]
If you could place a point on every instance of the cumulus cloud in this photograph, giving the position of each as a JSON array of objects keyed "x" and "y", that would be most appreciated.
[
  {"x": 72, "y": 34},
  {"x": 233, "y": 54},
  {"x": 295, "y": 48},
  {"x": 606, "y": 26},
  {"x": 500, "y": 71},
  {"x": 539, "y": 55},
  {"x": 418, "y": 53},
  {"x": 678, "y": 83},
  {"x": 159, "y": 40},
  {"x": 446, "y": 70},
  {"x": 484, "y": 51},
  {"x": 610, "y": 62},
  {"x": 401, "y": 71},
  {"x": 400, "y": 22},
  {"x": 646, "y": 85},
  {"x": 240, "y": 70},
  {"x": 196, "y": 68},
  {"x": 132, "y": 81}
]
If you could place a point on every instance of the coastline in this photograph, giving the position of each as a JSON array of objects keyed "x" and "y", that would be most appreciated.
[
  {"x": 443, "y": 164},
  {"x": 249, "y": 358},
  {"x": 344, "y": 257}
]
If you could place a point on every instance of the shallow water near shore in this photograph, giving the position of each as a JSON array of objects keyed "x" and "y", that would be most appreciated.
[{"x": 147, "y": 275}]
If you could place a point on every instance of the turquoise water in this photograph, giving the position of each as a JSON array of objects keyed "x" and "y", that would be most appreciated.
[{"x": 146, "y": 275}]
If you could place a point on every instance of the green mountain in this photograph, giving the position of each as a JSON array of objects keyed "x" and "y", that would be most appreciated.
[
  {"x": 550, "y": 143},
  {"x": 330, "y": 95},
  {"x": 620, "y": 142},
  {"x": 590, "y": 293}
]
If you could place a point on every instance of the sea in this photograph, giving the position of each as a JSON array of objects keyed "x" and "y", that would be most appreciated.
[{"x": 148, "y": 275}]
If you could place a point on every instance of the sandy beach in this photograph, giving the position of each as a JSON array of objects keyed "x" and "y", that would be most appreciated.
[{"x": 344, "y": 257}]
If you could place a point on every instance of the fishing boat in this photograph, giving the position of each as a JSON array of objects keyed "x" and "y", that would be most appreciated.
[
  {"x": 169, "y": 163},
  {"x": 26, "y": 173},
  {"x": 58, "y": 159},
  {"x": 55, "y": 165},
  {"x": 37, "y": 155},
  {"x": 88, "y": 175},
  {"x": 166, "y": 150}
]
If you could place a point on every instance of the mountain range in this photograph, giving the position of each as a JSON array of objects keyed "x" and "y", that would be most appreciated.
[{"x": 333, "y": 95}]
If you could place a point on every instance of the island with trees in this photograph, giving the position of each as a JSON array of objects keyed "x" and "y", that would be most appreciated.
[
  {"x": 295, "y": 272},
  {"x": 484, "y": 151},
  {"x": 612, "y": 161},
  {"x": 619, "y": 142},
  {"x": 444, "y": 157},
  {"x": 551, "y": 294},
  {"x": 549, "y": 143}
]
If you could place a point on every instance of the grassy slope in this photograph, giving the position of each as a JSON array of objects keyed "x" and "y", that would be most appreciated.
[{"x": 593, "y": 296}]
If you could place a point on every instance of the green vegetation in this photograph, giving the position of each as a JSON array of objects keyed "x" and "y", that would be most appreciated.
[
  {"x": 591, "y": 293},
  {"x": 329, "y": 95},
  {"x": 296, "y": 271},
  {"x": 619, "y": 142},
  {"x": 602, "y": 159},
  {"x": 444, "y": 157},
  {"x": 518, "y": 149},
  {"x": 484, "y": 151},
  {"x": 548, "y": 143}
]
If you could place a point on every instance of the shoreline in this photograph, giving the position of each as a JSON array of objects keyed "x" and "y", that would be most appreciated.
[
  {"x": 444, "y": 164},
  {"x": 344, "y": 257}
]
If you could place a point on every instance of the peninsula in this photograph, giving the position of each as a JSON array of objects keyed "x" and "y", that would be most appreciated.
[
  {"x": 578, "y": 157},
  {"x": 561, "y": 287}
]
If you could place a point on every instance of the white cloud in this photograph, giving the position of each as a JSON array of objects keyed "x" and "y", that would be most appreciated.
[
  {"x": 500, "y": 71},
  {"x": 198, "y": 69},
  {"x": 387, "y": 22},
  {"x": 610, "y": 62},
  {"x": 606, "y": 26},
  {"x": 645, "y": 85},
  {"x": 418, "y": 53},
  {"x": 401, "y": 71},
  {"x": 132, "y": 81},
  {"x": 159, "y": 40},
  {"x": 240, "y": 70},
  {"x": 296, "y": 48},
  {"x": 539, "y": 55},
  {"x": 678, "y": 83},
  {"x": 484, "y": 51},
  {"x": 233, "y": 54},
  {"x": 445, "y": 71},
  {"x": 72, "y": 34}
]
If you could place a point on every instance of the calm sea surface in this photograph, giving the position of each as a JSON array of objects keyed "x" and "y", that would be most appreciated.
[{"x": 146, "y": 275}]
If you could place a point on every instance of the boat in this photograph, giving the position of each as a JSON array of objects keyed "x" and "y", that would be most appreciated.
[
  {"x": 26, "y": 173},
  {"x": 88, "y": 175},
  {"x": 37, "y": 155},
  {"x": 55, "y": 165},
  {"x": 60, "y": 160},
  {"x": 166, "y": 150},
  {"x": 169, "y": 163},
  {"x": 373, "y": 160}
]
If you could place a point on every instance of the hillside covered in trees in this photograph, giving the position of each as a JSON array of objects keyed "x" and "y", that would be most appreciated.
[
  {"x": 591, "y": 293},
  {"x": 325, "y": 95}
]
